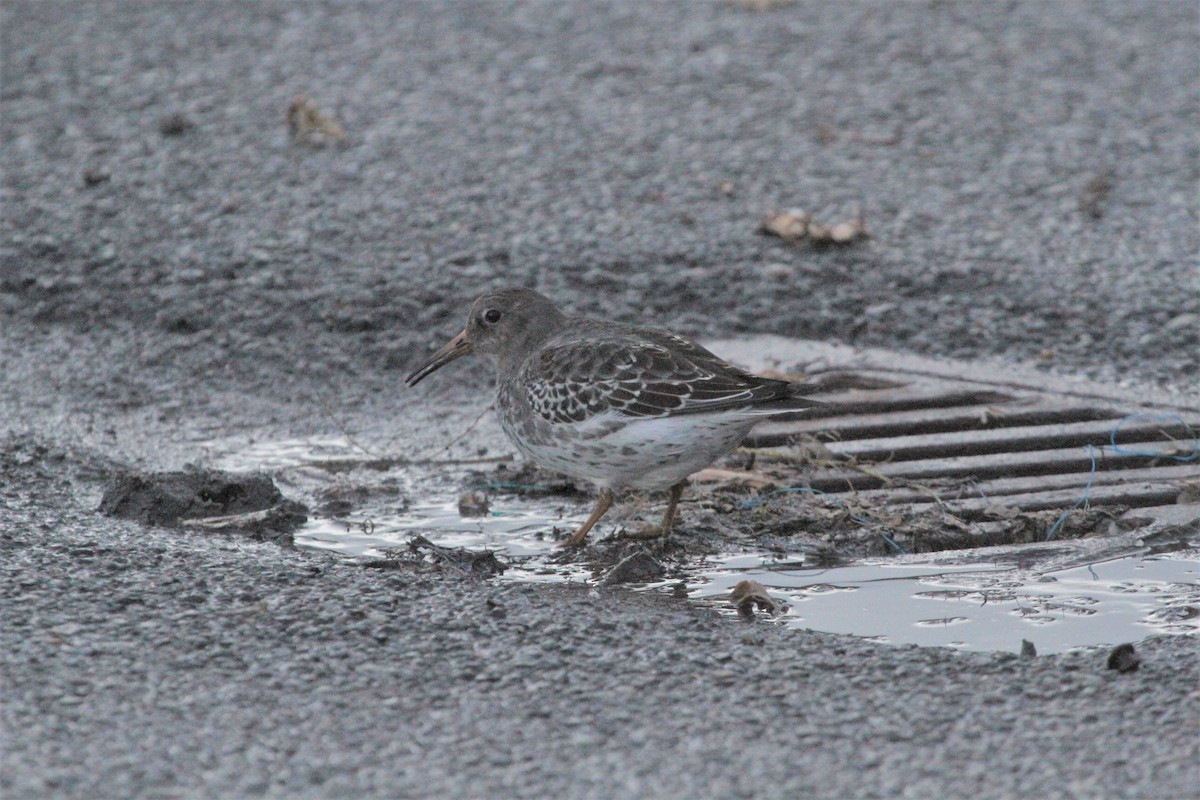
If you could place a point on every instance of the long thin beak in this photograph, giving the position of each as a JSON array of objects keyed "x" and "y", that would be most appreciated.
[{"x": 455, "y": 348}]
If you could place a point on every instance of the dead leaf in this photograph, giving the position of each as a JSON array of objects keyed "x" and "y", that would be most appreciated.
[
  {"x": 795, "y": 225},
  {"x": 791, "y": 225},
  {"x": 756, "y": 480},
  {"x": 751, "y": 595},
  {"x": 1001, "y": 511},
  {"x": 310, "y": 125}
]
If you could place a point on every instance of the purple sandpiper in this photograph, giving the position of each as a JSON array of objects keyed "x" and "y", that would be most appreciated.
[{"x": 618, "y": 405}]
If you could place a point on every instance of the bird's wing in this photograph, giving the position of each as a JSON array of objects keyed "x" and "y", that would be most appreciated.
[{"x": 650, "y": 374}]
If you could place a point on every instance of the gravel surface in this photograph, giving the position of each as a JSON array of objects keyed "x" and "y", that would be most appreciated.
[
  {"x": 144, "y": 663},
  {"x": 175, "y": 272}
]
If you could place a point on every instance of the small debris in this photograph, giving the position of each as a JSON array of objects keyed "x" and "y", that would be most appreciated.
[
  {"x": 641, "y": 567},
  {"x": 1000, "y": 511},
  {"x": 779, "y": 272},
  {"x": 843, "y": 232},
  {"x": 761, "y": 5},
  {"x": 473, "y": 504},
  {"x": 422, "y": 553},
  {"x": 790, "y": 225},
  {"x": 1124, "y": 658},
  {"x": 877, "y": 310},
  {"x": 95, "y": 177},
  {"x": 309, "y": 125},
  {"x": 175, "y": 124},
  {"x": 751, "y": 595},
  {"x": 796, "y": 225},
  {"x": 725, "y": 189},
  {"x": 1094, "y": 193},
  {"x": 756, "y": 480},
  {"x": 66, "y": 629},
  {"x": 1182, "y": 321},
  {"x": 1027, "y": 649},
  {"x": 273, "y": 524}
]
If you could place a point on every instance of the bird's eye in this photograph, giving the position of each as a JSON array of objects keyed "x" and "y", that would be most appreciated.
[{"x": 492, "y": 316}]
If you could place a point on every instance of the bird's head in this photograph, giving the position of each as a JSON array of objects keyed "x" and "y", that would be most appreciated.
[{"x": 504, "y": 324}]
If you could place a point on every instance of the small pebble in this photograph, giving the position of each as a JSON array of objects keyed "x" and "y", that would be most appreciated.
[
  {"x": 175, "y": 124},
  {"x": 1124, "y": 658},
  {"x": 1182, "y": 321},
  {"x": 496, "y": 610},
  {"x": 473, "y": 504}
]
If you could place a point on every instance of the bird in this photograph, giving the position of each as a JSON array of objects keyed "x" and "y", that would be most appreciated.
[{"x": 620, "y": 406}]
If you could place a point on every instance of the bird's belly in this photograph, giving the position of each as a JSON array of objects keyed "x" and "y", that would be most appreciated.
[{"x": 648, "y": 454}]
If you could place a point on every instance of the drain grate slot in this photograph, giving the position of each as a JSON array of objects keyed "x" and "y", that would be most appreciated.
[
  {"x": 1005, "y": 440},
  {"x": 925, "y": 421},
  {"x": 999, "y": 490},
  {"x": 904, "y": 399},
  {"x": 1139, "y": 494},
  {"x": 839, "y": 381},
  {"x": 991, "y": 465}
]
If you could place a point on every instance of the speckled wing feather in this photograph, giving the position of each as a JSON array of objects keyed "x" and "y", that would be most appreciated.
[{"x": 640, "y": 375}]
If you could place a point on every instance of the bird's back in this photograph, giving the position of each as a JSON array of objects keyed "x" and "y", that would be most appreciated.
[{"x": 594, "y": 366}]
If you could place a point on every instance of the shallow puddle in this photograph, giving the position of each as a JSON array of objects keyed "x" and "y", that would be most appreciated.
[
  {"x": 975, "y": 605},
  {"x": 516, "y": 529},
  {"x": 981, "y": 606}
]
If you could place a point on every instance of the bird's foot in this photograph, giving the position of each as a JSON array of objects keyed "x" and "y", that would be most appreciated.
[
  {"x": 577, "y": 540},
  {"x": 580, "y": 536}
]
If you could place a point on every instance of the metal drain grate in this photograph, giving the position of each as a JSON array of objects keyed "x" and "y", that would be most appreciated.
[{"x": 904, "y": 430}]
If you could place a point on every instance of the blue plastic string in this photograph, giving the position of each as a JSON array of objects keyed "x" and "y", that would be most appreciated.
[
  {"x": 1192, "y": 456},
  {"x": 1082, "y": 498},
  {"x": 1116, "y": 448}
]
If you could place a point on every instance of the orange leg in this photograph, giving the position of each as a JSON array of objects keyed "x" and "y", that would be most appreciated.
[
  {"x": 603, "y": 503},
  {"x": 676, "y": 492},
  {"x": 655, "y": 531}
]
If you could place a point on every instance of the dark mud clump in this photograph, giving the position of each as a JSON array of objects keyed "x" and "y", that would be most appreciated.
[
  {"x": 247, "y": 503},
  {"x": 640, "y": 567},
  {"x": 1124, "y": 658}
]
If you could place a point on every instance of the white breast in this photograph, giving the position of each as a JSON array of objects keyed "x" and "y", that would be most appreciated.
[{"x": 651, "y": 454}]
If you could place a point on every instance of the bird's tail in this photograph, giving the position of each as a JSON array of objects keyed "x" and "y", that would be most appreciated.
[{"x": 792, "y": 397}]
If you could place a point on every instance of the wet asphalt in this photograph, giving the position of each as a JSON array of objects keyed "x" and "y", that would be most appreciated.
[{"x": 177, "y": 277}]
